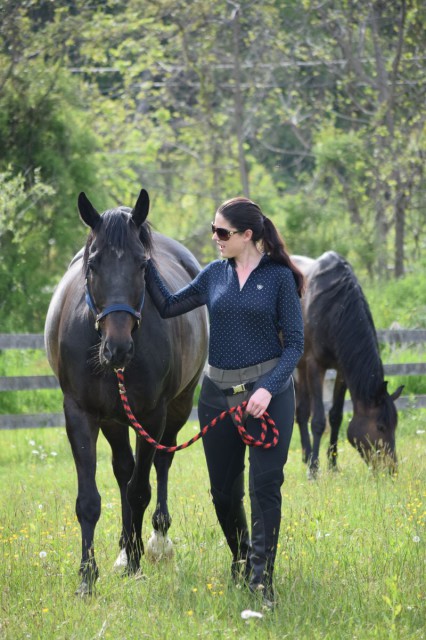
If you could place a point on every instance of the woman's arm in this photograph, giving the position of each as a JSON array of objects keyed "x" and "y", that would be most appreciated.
[{"x": 174, "y": 304}]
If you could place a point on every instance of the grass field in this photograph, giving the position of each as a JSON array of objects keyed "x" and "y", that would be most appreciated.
[{"x": 351, "y": 561}]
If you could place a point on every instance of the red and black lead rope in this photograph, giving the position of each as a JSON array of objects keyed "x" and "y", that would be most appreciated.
[{"x": 265, "y": 422}]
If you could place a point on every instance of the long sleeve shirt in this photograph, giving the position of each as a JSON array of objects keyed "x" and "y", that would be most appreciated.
[{"x": 248, "y": 325}]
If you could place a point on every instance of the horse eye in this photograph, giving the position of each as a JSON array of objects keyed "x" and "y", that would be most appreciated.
[{"x": 91, "y": 267}]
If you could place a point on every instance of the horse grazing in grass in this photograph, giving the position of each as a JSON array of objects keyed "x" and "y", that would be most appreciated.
[
  {"x": 99, "y": 320},
  {"x": 340, "y": 335}
]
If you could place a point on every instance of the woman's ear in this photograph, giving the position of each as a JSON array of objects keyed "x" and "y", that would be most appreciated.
[{"x": 248, "y": 235}]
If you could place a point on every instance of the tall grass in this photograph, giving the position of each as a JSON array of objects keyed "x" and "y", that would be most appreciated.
[{"x": 351, "y": 560}]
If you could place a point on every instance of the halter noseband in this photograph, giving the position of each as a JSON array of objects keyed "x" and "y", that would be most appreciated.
[{"x": 112, "y": 307}]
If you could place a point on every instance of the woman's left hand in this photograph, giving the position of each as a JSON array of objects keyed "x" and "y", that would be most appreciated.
[{"x": 258, "y": 403}]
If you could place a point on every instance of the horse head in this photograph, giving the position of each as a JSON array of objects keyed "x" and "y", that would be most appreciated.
[
  {"x": 371, "y": 431},
  {"x": 115, "y": 258}
]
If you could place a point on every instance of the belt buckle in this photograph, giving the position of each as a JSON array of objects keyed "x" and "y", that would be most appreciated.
[{"x": 239, "y": 388}]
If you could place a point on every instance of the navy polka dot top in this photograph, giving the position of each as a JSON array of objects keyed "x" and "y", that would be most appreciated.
[{"x": 245, "y": 324}]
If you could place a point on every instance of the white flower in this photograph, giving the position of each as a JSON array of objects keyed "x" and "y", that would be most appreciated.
[
  {"x": 35, "y": 452},
  {"x": 31, "y": 443},
  {"x": 416, "y": 539},
  {"x": 53, "y": 453},
  {"x": 247, "y": 613},
  {"x": 42, "y": 554}
]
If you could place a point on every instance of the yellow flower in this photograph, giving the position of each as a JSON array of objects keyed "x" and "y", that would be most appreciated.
[{"x": 190, "y": 612}]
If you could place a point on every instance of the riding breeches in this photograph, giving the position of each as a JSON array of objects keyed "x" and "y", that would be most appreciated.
[{"x": 225, "y": 454}]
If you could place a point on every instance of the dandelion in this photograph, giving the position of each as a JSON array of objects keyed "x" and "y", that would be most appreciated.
[
  {"x": 190, "y": 613},
  {"x": 194, "y": 590},
  {"x": 45, "y": 610},
  {"x": 42, "y": 554},
  {"x": 416, "y": 539}
]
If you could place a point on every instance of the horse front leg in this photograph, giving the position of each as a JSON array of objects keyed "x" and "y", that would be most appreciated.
[
  {"x": 82, "y": 431},
  {"x": 303, "y": 412},
  {"x": 123, "y": 464},
  {"x": 159, "y": 545},
  {"x": 335, "y": 417},
  {"x": 318, "y": 422},
  {"x": 139, "y": 487}
]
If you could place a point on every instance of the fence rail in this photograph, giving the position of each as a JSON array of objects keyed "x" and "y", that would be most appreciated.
[{"x": 36, "y": 341}]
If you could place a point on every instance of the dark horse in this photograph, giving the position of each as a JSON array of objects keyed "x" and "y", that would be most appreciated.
[
  {"x": 340, "y": 335},
  {"x": 99, "y": 320}
]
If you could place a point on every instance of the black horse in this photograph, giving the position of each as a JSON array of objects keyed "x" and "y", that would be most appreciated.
[
  {"x": 340, "y": 335},
  {"x": 99, "y": 320}
]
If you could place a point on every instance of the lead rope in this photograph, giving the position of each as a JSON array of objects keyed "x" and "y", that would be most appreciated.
[{"x": 265, "y": 421}]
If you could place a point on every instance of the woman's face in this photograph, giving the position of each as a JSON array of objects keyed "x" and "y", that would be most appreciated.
[{"x": 230, "y": 244}]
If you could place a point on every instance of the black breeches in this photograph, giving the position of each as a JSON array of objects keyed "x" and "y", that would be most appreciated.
[{"x": 225, "y": 454}]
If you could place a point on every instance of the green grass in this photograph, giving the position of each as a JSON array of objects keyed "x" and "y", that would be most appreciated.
[{"x": 351, "y": 561}]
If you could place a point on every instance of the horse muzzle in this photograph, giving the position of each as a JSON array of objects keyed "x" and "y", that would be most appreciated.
[{"x": 116, "y": 354}]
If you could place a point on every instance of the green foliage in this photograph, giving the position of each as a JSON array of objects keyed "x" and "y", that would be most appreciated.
[
  {"x": 401, "y": 301},
  {"x": 192, "y": 99}
]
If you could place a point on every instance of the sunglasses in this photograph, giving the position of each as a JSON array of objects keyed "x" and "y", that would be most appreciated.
[{"x": 223, "y": 234}]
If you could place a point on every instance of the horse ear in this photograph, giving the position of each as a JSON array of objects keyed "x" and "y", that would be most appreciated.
[
  {"x": 88, "y": 213},
  {"x": 141, "y": 208},
  {"x": 395, "y": 395}
]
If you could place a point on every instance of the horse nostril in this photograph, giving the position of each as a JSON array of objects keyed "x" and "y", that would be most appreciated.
[{"x": 118, "y": 354}]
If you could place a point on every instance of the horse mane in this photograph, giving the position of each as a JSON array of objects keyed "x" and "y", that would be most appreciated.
[
  {"x": 117, "y": 232},
  {"x": 354, "y": 333}
]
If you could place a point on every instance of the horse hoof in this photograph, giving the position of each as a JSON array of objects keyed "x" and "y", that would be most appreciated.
[
  {"x": 121, "y": 562},
  {"x": 159, "y": 547},
  {"x": 83, "y": 590},
  {"x": 312, "y": 473}
]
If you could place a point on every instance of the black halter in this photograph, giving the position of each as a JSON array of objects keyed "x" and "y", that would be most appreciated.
[{"x": 112, "y": 307}]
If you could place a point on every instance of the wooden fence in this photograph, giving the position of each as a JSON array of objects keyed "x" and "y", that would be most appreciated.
[{"x": 35, "y": 341}]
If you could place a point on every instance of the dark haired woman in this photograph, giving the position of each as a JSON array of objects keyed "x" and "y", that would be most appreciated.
[{"x": 256, "y": 339}]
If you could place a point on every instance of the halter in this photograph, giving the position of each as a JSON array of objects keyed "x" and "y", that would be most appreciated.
[{"x": 112, "y": 307}]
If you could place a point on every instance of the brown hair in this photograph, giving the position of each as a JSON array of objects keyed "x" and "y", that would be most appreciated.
[{"x": 243, "y": 214}]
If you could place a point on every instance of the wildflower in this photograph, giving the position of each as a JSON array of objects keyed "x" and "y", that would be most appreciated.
[
  {"x": 190, "y": 612},
  {"x": 42, "y": 554},
  {"x": 416, "y": 539}
]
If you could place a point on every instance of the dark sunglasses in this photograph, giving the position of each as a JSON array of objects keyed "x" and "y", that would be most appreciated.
[{"x": 223, "y": 234}]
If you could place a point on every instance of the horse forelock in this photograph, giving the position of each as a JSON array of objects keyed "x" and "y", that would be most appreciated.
[{"x": 116, "y": 230}]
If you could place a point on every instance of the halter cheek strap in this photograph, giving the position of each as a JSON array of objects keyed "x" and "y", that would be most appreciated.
[{"x": 113, "y": 307}]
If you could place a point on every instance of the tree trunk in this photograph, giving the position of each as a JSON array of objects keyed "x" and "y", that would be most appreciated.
[{"x": 239, "y": 104}]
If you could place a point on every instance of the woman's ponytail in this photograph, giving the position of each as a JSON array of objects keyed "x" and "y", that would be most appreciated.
[{"x": 274, "y": 246}]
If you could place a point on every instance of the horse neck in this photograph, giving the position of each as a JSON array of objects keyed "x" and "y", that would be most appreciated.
[{"x": 363, "y": 371}]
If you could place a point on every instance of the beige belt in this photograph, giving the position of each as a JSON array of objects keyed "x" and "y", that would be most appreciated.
[{"x": 232, "y": 377}]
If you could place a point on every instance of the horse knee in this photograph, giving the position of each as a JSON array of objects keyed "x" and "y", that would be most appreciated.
[
  {"x": 88, "y": 508},
  {"x": 138, "y": 498},
  {"x": 318, "y": 426}
]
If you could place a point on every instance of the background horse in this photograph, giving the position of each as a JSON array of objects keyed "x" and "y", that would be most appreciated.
[
  {"x": 340, "y": 335},
  {"x": 98, "y": 321}
]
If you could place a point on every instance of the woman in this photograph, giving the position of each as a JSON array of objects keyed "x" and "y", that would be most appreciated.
[{"x": 256, "y": 339}]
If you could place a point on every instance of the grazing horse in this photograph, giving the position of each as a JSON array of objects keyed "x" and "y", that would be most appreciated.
[
  {"x": 340, "y": 335},
  {"x": 100, "y": 320}
]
